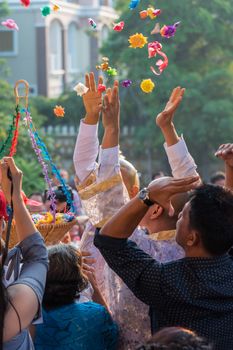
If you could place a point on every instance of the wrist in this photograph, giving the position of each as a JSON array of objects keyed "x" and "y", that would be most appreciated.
[
  {"x": 144, "y": 196},
  {"x": 167, "y": 127},
  {"x": 113, "y": 130},
  {"x": 91, "y": 118}
]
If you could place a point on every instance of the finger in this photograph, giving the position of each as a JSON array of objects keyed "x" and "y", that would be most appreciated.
[
  {"x": 116, "y": 83},
  {"x": 115, "y": 96},
  {"x": 4, "y": 168},
  {"x": 100, "y": 80},
  {"x": 106, "y": 102},
  {"x": 88, "y": 268},
  {"x": 172, "y": 94},
  {"x": 176, "y": 92},
  {"x": 224, "y": 149},
  {"x": 184, "y": 188},
  {"x": 89, "y": 261},
  {"x": 92, "y": 82},
  {"x": 173, "y": 107},
  {"x": 186, "y": 180},
  {"x": 221, "y": 147},
  {"x": 171, "y": 210},
  {"x": 109, "y": 94},
  {"x": 85, "y": 253},
  {"x": 87, "y": 80},
  {"x": 11, "y": 164},
  {"x": 182, "y": 92}
]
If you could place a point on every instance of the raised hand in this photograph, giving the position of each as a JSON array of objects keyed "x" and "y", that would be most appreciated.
[
  {"x": 92, "y": 99},
  {"x": 225, "y": 152},
  {"x": 111, "y": 108},
  {"x": 111, "y": 117},
  {"x": 7, "y": 164},
  {"x": 165, "y": 118},
  {"x": 161, "y": 190}
]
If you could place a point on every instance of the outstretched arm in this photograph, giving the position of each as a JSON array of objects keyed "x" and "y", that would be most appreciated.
[
  {"x": 225, "y": 152},
  {"x": 25, "y": 294},
  {"x": 87, "y": 144},
  {"x": 109, "y": 150},
  {"x": 181, "y": 162}
]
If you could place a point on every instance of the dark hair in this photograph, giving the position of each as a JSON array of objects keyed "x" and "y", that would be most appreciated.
[
  {"x": 176, "y": 338},
  {"x": 36, "y": 194},
  {"x": 219, "y": 175},
  {"x": 60, "y": 195},
  {"x": 157, "y": 175},
  {"x": 65, "y": 278},
  {"x": 211, "y": 214}
]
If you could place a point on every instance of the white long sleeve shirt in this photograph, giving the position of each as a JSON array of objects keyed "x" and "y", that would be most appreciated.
[
  {"x": 181, "y": 162},
  {"x": 86, "y": 152}
]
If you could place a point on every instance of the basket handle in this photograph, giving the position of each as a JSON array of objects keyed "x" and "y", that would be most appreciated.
[{"x": 21, "y": 97}]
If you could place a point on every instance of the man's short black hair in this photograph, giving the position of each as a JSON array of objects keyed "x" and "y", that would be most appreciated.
[
  {"x": 176, "y": 338},
  {"x": 218, "y": 176},
  {"x": 211, "y": 214}
]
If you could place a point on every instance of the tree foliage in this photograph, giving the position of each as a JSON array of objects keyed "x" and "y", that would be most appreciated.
[
  {"x": 25, "y": 156},
  {"x": 200, "y": 59}
]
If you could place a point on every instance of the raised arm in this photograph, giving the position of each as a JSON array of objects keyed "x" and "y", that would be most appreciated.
[
  {"x": 225, "y": 152},
  {"x": 24, "y": 224},
  {"x": 124, "y": 222},
  {"x": 109, "y": 150},
  {"x": 181, "y": 162},
  {"x": 137, "y": 269},
  {"x": 25, "y": 294},
  {"x": 87, "y": 144}
]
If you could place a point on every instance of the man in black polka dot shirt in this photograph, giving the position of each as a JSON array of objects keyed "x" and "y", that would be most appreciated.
[{"x": 195, "y": 292}]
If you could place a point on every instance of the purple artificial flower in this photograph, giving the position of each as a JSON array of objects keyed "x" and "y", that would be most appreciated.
[{"x": 126, "y": 83}]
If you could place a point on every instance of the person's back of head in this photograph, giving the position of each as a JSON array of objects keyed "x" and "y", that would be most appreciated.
[
  {"x": 61, "y": 198},
  {"x": 65, "y": 278},
  {"x": 176, "y": 338},
  {"x": 211, "y": 215},
  {"x": 218, "y": 178},
  {"x": 157, "y": 219},
  {"x": 157, "y": 175},
  {"x": 130, "y": 177}
]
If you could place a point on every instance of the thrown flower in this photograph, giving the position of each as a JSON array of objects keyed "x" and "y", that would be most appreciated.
[
  {"x": 169, "y": 31},
  {"x": 126, "y": 83},
  {"x": 10, "y": 24},
  {"x": 147, "y": 86},
  {"x": 137, "y": 41},
  {"x": 59, "y": 111},
  {"x": 81, "y": 89}
]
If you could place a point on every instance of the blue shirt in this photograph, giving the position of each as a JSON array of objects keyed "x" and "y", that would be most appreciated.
[
  {"x": 79, "y": 326},
  {"x": 195, "y": 293}
]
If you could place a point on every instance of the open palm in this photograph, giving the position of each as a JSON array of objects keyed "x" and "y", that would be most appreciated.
[
  {"x": 165, "y": 118},
  {"x": 93, "y": 98}
]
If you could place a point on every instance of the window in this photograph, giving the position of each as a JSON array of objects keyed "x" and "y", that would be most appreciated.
[
  {"x": 73, "y": 46},
  {"x": 105, "y": 32},
  {"x": 8, "y": 42},
  {"x": 56, "y": 46},
  {"x": 104, "y": 2}
]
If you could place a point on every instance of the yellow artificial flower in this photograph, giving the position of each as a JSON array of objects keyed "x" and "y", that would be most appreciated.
[
  {"x": 137, "y": 41},
  {"x": 147, "y": 86}
]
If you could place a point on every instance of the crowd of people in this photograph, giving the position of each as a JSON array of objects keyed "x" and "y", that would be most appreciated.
[{"x": 143, "y": 269}]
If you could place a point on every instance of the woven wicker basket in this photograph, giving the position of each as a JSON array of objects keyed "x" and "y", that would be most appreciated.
[{"x": 52, "y": 233}]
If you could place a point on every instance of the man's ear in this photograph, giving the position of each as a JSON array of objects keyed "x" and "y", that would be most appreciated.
[
  {"x": 156, "y": 211},
  {"x": 193, "y": 239}
]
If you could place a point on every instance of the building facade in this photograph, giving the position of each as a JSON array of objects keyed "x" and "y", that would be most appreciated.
[{"x": 54, "y": 52}]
